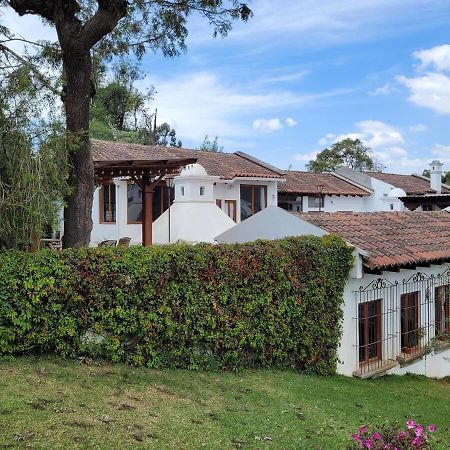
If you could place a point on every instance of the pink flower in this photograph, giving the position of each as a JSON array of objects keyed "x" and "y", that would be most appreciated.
[
  {"x": 363, "y": 429},
  {"x": 356, "y": 437},
  {"x": 410, "y": 424},
  {"x": 387, "y": 447},
  {"x": 376, "y": 436},
  {"x": 402, "y": 434},
  {"x": 416, "y": 441},
  {"x": 432, "y": 428},
  {"x": 367, "y": 443},
  {"x": 419, "y": 430}
]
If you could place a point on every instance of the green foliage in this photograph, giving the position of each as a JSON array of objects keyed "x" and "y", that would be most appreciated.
[
  {"x": 264, "y": 304},
  {"x": 445, "y": 176},
  {"x": 209, "y": 145},
  {"x": 347, "y": 152},
  {"x": 33, "y": 163}
]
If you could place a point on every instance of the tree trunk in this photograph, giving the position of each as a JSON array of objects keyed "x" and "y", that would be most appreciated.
[{"x": 78, "y": 209}]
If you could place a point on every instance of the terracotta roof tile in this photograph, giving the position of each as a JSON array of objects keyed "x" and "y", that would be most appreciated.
[
  {"x": 411, "y": 184},
  {"x": 224, "y": 165},
  {"x": 304, "y": 183},
  {"x": 391, "y": 238}
]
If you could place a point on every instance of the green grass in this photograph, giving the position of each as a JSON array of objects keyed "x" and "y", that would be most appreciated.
[{"x": 51, "y": 403}]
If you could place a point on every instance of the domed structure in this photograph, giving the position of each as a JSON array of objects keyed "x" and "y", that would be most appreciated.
[
  {"x": 396, "y": 193},
  {"x": 193, "y": 170}
]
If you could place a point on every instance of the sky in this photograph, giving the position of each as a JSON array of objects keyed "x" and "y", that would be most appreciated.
[{"x": 302, "y": 74}]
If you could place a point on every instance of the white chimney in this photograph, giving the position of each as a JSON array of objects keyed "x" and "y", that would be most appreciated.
[{"x": 436, "y": 176}]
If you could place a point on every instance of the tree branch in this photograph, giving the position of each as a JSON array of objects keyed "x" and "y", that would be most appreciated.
[
  {"x": 44, "y": 8},
  {"x": 32, "y": 67}
]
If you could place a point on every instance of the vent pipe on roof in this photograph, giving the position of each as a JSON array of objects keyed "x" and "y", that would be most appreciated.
[{"x": 436, "y": 176}]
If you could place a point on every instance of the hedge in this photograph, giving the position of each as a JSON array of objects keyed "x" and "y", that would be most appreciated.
[{"x": 263, "y": 304}]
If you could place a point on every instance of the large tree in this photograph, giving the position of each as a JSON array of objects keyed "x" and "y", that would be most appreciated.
[
  {"x": 348, "y": 152},
  {"x": 106, "y": 28}
]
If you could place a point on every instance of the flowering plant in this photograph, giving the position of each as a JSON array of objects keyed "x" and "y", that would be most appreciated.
[{"x": 413, "y": 437}]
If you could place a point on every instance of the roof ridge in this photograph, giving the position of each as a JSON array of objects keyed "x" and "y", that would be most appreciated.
[{"x": 259, "y": 162}]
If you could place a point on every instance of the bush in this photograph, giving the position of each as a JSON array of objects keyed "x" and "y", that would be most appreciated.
[{"x": 264, "y": 304}]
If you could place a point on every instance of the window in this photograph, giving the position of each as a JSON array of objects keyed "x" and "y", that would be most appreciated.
[
  {"x": 202, "y": 190},
  {"x": 230, "y": 209},
  {"x": 162, "y": 196},
  {"x": 253, "y": 200},
  {"x": 410, "y": 322},
  {"x": 134, "y": 206},
  {"x": 316, "y": 202},
  {"x": 369, "y": 329},
  {"x": 107, "y": 197},
  {"x": 182, "y": 190},
  {"x": 219, "y": 203},
  {"x": 442, "y": 310},
  {"x": 294, "y": 206}
]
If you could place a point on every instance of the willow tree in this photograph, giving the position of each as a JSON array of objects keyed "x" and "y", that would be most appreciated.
[{"x": 111, "y": 27}]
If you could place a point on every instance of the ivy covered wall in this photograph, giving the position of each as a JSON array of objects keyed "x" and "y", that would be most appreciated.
[{"x": 264, "y": 304}]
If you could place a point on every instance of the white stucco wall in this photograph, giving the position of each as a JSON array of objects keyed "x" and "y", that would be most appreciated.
[
  {"x": 436, "y": 364},
  {"x": 229, "y": 190}
]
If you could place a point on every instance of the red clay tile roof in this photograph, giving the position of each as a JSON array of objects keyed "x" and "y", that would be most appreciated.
[
  {"x": 391, "y": 238},
  {"x": 411, "y": 184},
  {"x": 307, "y": 183},
  {"x": 224, "y": 165}
]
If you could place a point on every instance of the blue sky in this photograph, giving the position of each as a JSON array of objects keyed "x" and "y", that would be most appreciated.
[{"x": 301, "y": 74}]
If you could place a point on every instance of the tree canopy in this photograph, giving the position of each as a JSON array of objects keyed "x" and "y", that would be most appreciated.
[
  {"x": 211, "y": 145},
  {"x": 348, "y": 152}
]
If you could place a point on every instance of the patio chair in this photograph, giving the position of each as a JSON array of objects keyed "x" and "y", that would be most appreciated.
[
  {"x": 124, "y": 242},
  {"x": 108, "y": 243}
]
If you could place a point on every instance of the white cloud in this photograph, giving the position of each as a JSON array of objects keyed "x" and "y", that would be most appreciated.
[
  {"x": 267, "y": 125},
  {"x": 305, "y": 157},
  {"x": 378, "y": 134},
  {"x": 431, "y": 90},
  {"x": 197, "y": 103},
  {"x": 437, "y": 57},
  {"x": 290, "y": 122},
  {"x": 418, "y": 128},
  {"x": 386, "y": 89},
  {"x": 286, "y": 78}
]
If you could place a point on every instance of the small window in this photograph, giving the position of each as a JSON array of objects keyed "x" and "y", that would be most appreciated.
[
  {"x": 219, "y": 203},
  {"x": 202, "y": 190},
  {"x": 410, "y": 322},
  {"x": 442, "y": 310},
  {"x": 107, "y": 197},
  {"x": 392, "y": 207},
  {"x": 134, "y": 204},
  {"x": 182, "y": 190},
  {"x": 316, "y": 202},
  {"x": 230, "y": 209},
  {"x": 369, "y": 330}
]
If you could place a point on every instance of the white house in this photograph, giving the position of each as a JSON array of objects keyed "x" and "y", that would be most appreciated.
[
  {"x": 397, "y": 296},
  {"x": 234, "y": 185},
  {"x": 349, "y": 190}
]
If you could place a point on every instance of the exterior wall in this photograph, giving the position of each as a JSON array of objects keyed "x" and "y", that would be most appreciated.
[
  {"x": 379, "y": 200},
  {"x": 434, "y": 364},
  {"x": 103, "y": 231},
  {"x": 229, "y": 190},
  {"x": 336, "y": 203}
]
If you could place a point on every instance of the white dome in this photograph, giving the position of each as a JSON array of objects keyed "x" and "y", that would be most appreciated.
[
  {"x": 194, "y": 170},
  {"x": 396, "y": 193},
  {"x": 447, "y": 209}
]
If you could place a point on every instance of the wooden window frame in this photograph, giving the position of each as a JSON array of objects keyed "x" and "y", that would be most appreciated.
[
  {"x": 101, "y": 205},
  {"x": 404, "y": 321},
  {"x": 438, "y": 319},
  {"x": 219, "y": 203},
  {"x": 253, "y": 186},
  {"x": 227, "y": 205},
  {"x": 367, "y": 344}
]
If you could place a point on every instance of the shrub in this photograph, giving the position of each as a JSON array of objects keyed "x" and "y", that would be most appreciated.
[{"x": 269, "y": 303}]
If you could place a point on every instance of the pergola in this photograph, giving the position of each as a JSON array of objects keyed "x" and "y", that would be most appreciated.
[{"x": 147, "y": 174}]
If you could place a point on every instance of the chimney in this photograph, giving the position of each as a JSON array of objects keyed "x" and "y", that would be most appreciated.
[{"x": 436, "y": 176}]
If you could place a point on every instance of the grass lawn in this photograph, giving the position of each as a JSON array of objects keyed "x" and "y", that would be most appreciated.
[{"x": 51, "y": 403}]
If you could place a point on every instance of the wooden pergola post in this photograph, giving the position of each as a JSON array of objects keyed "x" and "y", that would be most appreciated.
[{"x": 147, "y": 211}]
